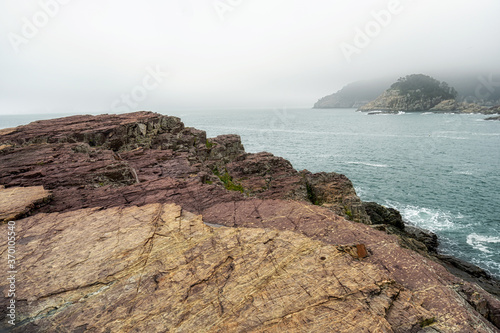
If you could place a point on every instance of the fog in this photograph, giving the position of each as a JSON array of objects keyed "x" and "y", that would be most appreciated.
[{"x": 118, "y": 56}]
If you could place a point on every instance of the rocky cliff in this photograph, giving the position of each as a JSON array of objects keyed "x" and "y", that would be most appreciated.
[
  {"x": 464, "y": 107},
  {"x": 415, "y": 92},
  {"x": 479, "y": 89},
  {"x": 136, "y": 223},
  {"x": 392, "y": 100}
]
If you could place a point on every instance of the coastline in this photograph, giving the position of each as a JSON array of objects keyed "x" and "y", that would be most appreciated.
[{"x": 144, "y": 158}]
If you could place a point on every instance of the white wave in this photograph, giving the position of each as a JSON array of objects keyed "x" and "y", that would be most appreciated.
[
  {"x": 466, "y": 172},
  {"x": 369, "y": 164},
  {"x": 426, "y": 113},
  {"x": 360, "y": 191},
  {"x": 479, "y": 242},
  {"x": 487, "y": 134},
  {"x": 450, "y": 137},
  {"x": 431, "y": 219}
]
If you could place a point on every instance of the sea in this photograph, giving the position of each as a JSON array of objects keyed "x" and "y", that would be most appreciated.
[{"x": 440, "y": 170}]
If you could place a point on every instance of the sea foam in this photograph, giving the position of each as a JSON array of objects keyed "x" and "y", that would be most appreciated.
[{"x": 480, "y": 242}]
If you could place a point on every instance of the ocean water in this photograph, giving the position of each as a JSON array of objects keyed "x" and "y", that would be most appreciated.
[{"x": 441, "y": 171}]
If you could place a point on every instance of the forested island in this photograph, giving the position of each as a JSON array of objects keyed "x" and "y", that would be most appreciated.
[{"x": 416, "y": 92}]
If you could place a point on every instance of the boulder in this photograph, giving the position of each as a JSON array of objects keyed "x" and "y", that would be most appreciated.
[
  {"x": 428, "y": 238},
  {"x": 335, "y": 192},
  {"x": 382, "y": 215}
]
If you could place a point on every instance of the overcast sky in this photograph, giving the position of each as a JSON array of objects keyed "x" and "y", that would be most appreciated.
[{"x": 161, "y": 55}]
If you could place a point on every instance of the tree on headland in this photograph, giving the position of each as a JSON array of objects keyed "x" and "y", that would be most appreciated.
[{"x": 418, "y": 86}]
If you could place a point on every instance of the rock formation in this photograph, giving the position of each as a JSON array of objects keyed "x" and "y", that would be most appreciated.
[
  {"x": 463, "y": 107},
  {"x": 17, "y": 202},
  {"x": 474, "y": 90},
  {"x": 392, "y": 100},
  {"x": 154, "y": 227}
]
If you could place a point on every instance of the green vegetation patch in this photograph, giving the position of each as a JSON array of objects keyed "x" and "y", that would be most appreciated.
[
  {"x": 311, "y": 196},
  {"x": 229, "y": 184},
  {"x": 210, "y": 145},
  {"x": 348, "y": 212},
  {"x": 427, "y": 322}
]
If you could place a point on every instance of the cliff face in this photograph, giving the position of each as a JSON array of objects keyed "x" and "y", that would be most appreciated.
[
  {"x": 391, "y": 100},
  {"x": 479, "y": 89},
  {"x": 153, "y": 227},
  {"x": 463, "y": 107}
]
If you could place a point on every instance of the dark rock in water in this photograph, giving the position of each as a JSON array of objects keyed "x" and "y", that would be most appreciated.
[
  {"x": 462, "y": 107},
  {"x": 486, "y": 305},
  {"x": 335, "y": 192},
  {"x": 288, "y": 259},
  {"x": 429, "y": 238},
  {"x": 495, "y": 109},
  {"x": 493, "y": 118},
  {"x": 470, "y": 272},
  {"x": 382, "y": 215}
]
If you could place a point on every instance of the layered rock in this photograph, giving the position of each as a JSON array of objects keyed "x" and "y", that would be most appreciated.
[
  {"x": 472, "y": 88},
  {"x": 463, "y": 107},
  {"x": 157, "y": 268},
  {"x": 392, "y": 100},
  {"x": 291, "y": 257},
  {"x": 495, "y": 109},
  {"x": 168, "y": 162},
  {"x": 415, "y": 92},
  {"x": 17, "y": 202},
  {"x": 336, "y": 192},
  {"x": 381, "y": 215}
]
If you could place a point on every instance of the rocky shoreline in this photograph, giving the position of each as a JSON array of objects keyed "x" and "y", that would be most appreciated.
[
  {"x": 391, "y": 102},
  {"x": 136, "y": 221}
]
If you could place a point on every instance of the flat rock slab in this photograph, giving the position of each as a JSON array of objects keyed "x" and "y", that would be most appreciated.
[
  {"x": 157, "y": 268},
  {"x": 19, "y": 201},
  {"x": 425, "y": 281}
]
